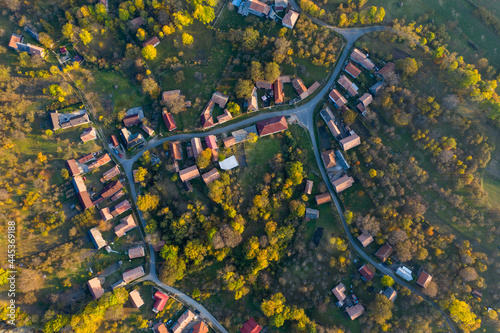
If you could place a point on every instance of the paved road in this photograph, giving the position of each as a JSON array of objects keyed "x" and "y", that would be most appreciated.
[{"x": 305, "y": 115}]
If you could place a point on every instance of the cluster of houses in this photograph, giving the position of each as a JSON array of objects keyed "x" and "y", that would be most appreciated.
[
  {"x": 17, "y": 43},
  {"x": 134, "y": 117},
  {"x": 268, "y": 9},
  {"x": 275, "y": 89},
  {"x": 195, "y": 147}
]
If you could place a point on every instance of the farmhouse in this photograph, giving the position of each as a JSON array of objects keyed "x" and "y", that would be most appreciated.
[
  {"x": 388, "y": 69},
  {"x": 299, "y": 87},
  {"x": 88, "y": 134},
  {"x": 136, "y": 252},
  {"x": 364, "y": 101},
  {"x": 258, "y": 8},
  {"x": 351, "y": 141},
  {"x": 252, "y": 101},
  {"x": 362, "y": 59},
  {"x": 127, "y": 224},
  {"x": 132, "y": 120},
  {"x": 168, "y": 118},
  {"x": 251, "y": 326},
  {"x": 345, "y": 83},
  {"x": 161, "y": 301},
  {"x": 355, "y": 311},
  {"x": 337, "y": 98},
  {"x": 342, "y": 183},
  {"x": 206, "y": 118},
  {"x": 67, "y": 120},
  {"x": 110, "y": 174},
  {"x": 390, "y": 293},
  {"x": 131, "y": 140},
  {"x": 133, "y": 274},
  {"x": 17, "y": 43},
  {"x": 329, "y": 159},
  {"x": 366, "y": 273},
  {"x": 365, "y": 239},
  {"x": 111, "y": 189},
  {"x": 289, "y": 19},
  {"x": 196, "y": 146},
  {"x": 105, "y": 214},
  {"x": 183, "y": 321},
  {"x": 175, "y": 150},
  {"x": 323, "y": 198},
  {"x": 121, "y": 208},
  {"x": 423, "y": 279},
  {"x": 211, "y": 176},
  {"x": 200, "y": 327},
  {"x": 226, "y": 116},
  {"x": 261, "y": 84},
  {"x": 74, "y": 168},
  {"x": 352, "y": 70},
  {"x": 100, "y": 161},
  {"x": 271, "y": 126},
  {"x": 189, "y": 173},
  {"x": 136, "y": 299},
  {"x": 97, "y": 239},
  {"x": 95, "y": 288},
  {"x": 384, "y": 252},
  {"x": 86, "y": 158},
  {"x": 229, "y": 141}
]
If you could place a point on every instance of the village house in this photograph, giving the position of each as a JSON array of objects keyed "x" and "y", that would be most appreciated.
[
  {"x": 405, "y": 273},
  {"x": 127, "y": 224},
  {"x": 364, "y": 101},
  {"x": 175, "y": 149},
  {"x": 258, "y": 8},
  {"x": 170, "y": 95},
  {"x": 211, "y": 176},
  {"x": 105, "y": 214},
  {"x": 136, "y": 23},
  {"x": 86, "y": 158},
  {"x": 388, "y": 69},
  {"x": 117, "y": 195},
  {"x": 136, "y": 252},
  {"x": 73, "y": 168},
  {"x": 114, "y": 141},
  {"x": 17, "y": 43},
  {"x": 100, "y": 161},
  {"x": 229, "y": 163},
  {"x": 81, "y": 192},
  {"x": 272, "y": 125},
  {"x": 169, "y": 120},
  {"x": 252, "y": 101},
  {"x": 341, "y": 160},
  {"x": 353, "y": 140},
  {"x": 323, "y": 198},
  {"x": 131, "y": 140},
  {"x": 131, "y": 120},
  {"x": 95, "y": 288},
  {"x": 133, "y": 274},
  {"x": 121, "y": 208},
  {"x": 290, "y": 18},
  {"x": 333, "y": 128},
  {"x": 226, "y": 116},
  {"x": 345, "y": 83},
  {"x": 300, "y": 88},
  {"x": 384, "y": 252},
  {"x": 196, "y": 146},
  {"x": 362, "y": 59},
  {"x": 229, "y": 141},
  {"x": 309, "y": 187},
  {"x": 280, "y": 5},
  {"x": 200, "y": 327},
  {"x": 136, "y": 299},
  {"x": 183, "y": 321},
  {"x": 355, "y": 311},
  {"x": 390, "y": 293},
  {"x": 110, "y": 174},
  {"x": 96, "y": 237},
  {"x": 377, "y": 87},
  {"x": 329, "y": 159},
  {"x": 160, "y": 328},
  {"x": 423, "y": 279},
  {"x": 211, "y": 142},
  {"x": 88, "y": 134},
  {"x": 366, "y": 273},
  {"x": 206, "y": 118},
  {"x": 161, "y": 301},
  {"x": 189, "y": 173},
  {"x": 337, "y": 98},
  {"x": 312, "y": 213},
  {"x": 338, "y": 291},
  {"x": 251, "y": 326},
  {"x": 261, "y": 84},
  {"x": 342, "y": 183},
  {"x": 352, "y": 70},
  {"x": 109, "y": 190},
  {"x": 279, "y": 95},
  {"x": 68, "y": 120},
  {"x": 365, "y": 239},
  {"x": 153, "y": 41}
]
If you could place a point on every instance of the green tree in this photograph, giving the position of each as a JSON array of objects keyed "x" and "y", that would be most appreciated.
[
  {"x": 100, "y": 10},
  {"x": 255, "y": 71},
  {"x": 85, "y": 36},
  {"x": 169, "y": 252},
  {"x": 448, "y": 143},
  {"x": 250, "y": 39},
  {"x": 56, "y": 324},
  {"x": 123, "y": 14},
  {"x": 295, "y": 171},
  {"x": 149, "y": 86},
  {"x": 408, "y": 66},
  {"x": 343, "y": 20},
  {"x": 4, "y": 73},
  {"x": 187, "y": 39},
  {"x": 195, "y": 251},
  {"x": 64, "y": 173},
  {"x": 147, "y": 202},
  {"x": 380, "y": 309},
  {"x": 272, "y": 71},
  {"x": 244, "y": 89},
  {"x": 141, "y": 34},
  {"x": 387, "y": 281},
  {"x": 234, "y": 108},
  {"x": 148, "y": 52}
]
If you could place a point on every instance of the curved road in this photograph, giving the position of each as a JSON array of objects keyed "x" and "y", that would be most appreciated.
[{"x": 305, "y": 115}]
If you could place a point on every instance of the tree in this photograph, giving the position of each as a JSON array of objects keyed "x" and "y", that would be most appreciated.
[
  {"x": 234, "y": 108},
  {"x": 187, "y": 39},
  {"x": 182, "y": 19},
  {"x": 141, "y": 34},
  {"x": 64, "y": 173},
  {"x": 140, "y": 174},
  {"x": 205, "y": 14},
  {"x": 168, "y": 30},
  {"x": 380, "y": 309},
  {"x": 272, "y": 71},
  {"x": 461, "y": 313},
  {"x": 431, "y": 290},
  {"x": 12, "y": 4},
  {"x": 255, "y": 71},
  {"x": 468, "y": 274},
  {"x": 172, "y": 270},
  {"x": 295, "y": 171},
  {"x": 176, "y": 105},
  {"x": 274, "y": 305},
  {"x": 3, "y": 277},
  {"x": 123, "y": 14},
  {"x": 195, "y": 251},
  {"x": 45, "y": 40},
  {"x": 350, "y": 117},
  {"x": 387, "y": 281},
  {"x": 448, "y": 143},
  {"x": 4, "y": 73},
  {"x": 147, "y": 202},
  {"x": 343, "y": 20},
  {"x": 408, "y": 66},
  {"x": 148, "y": 52},
  {"x": 100, "y": 9},
  {"x": 250, "y": 39},
  {"x": 42, "y": 158},
  {"x": 149, "y": 86},
  {"x": 56, "y": 324},
  {"x": 203, "y": 160},
  {"x": 244, "y": 89},
  {"x": 85, "y": 36},
  {"x": 373, "y": 173}
]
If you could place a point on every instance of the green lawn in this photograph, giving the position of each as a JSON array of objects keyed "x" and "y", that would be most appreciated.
[{"x": 492, "y": 186}]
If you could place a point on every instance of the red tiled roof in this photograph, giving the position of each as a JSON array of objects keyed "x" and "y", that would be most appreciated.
[
  {"x": 160, "y": 328},
  {"x": 84, "y": 199},
  {"x": 366, "y": 273},
  {"x": 353, "y": 70},
  {"x": 290, "y": 18},
  {"x": 390, "y": 67},
  {"x": 95, "y": 288},
  {"x": 211, "y": 176},
  {"x": 337, "y": 98},
  {"x": 423, "y": 279},
  {"x": 131, "y": 120},
  {"x": 211, "y": 142},
  {"x": 329, "y": 158},
  {"x": 111, "y": 189},
  {"x": 272, "y": 125},
  {"x": 152, "y": 41},
  {"x": 201, "y": 327},
  {"x": 14, "y": 39},
  {"x": 384, "y": 252},
  {"x": 189, "y": 173},
  {"x": 136, "y": 299},
  {"x": 365, "y": 239},
  {"x": 169, "y": 120},
  {"x": 299, "y": 86},
  {"x": 323, "y": 198},
  {"x": 279, "y": 95},
  {"x": 261, "y": 84},
  {"x": 251, "y": 326},
  {"x": 259, "y": 7},
  {"x": 114, "y": 140},
  {"x": 175, "y": 150},
  {"x": 86, "y": 158},
  {"x": 74, "y": 170},
  {"x": 127, "y": 224},
  {"x": 161, "y": 301},
  {"x": 229, "y": 141}
]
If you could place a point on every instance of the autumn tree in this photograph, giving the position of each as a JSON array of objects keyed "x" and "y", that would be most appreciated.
[
  {"x": 187, "y": 39},
  {"x": 350, "y": 117},
  {"x": 140, "y": 174},
  {"x": 147, "y": 202},
  {"x": 408, "y": 66},
  {"x": 255, "y": 71},
  {"x": 233, "y": 108},
  {"x": 148, "y": 52},
  {"x": 244, "y": 89},
  {"x": 387, "y": 281},
  {"x": 461, "y": 313},
  {"x": 250, "y": 39},
  {"x": 295, "y": 172},
  {"x": 205, "y": 14},
  {"x": 46, "y": 40},
  {"x": 64, "y": 173},
  {"x": 203, "y": 160},
  {"x": 85, "y": 36},
  {"x": 149, "y": 86},
  {"x": 272, "y": 71},
  {"x": 380, "y": 309}
]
